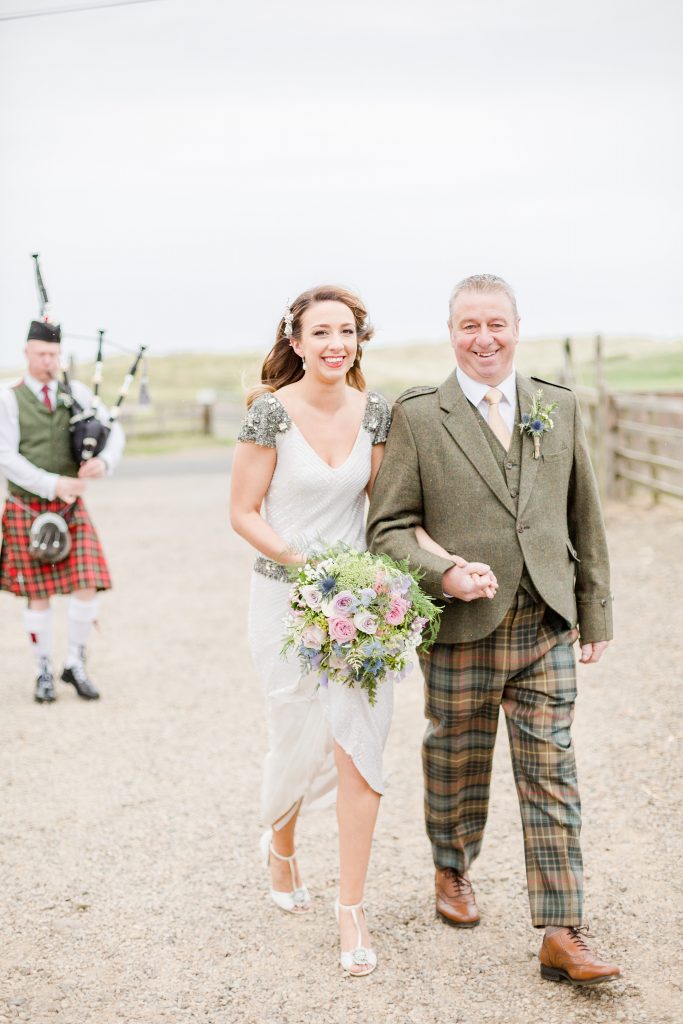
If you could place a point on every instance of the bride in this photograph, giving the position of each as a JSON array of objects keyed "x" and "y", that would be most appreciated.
[{"x": 307, "y": 455}]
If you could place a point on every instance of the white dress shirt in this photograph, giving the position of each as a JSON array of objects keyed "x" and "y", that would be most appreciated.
[
  {"x": 22, "y": 472},
  {"x": 474, "y": 391}
]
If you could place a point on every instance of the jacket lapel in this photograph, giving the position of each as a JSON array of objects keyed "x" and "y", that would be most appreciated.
[
  {"x": 461, "y": 423},
  {"x": 529, "y": 465}
]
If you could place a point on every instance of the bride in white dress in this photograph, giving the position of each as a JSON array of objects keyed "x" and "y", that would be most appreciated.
[{"x": 307, "y": 456}]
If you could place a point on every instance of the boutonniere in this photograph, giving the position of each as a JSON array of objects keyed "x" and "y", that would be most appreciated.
[
  {"x": 65, "y": 399},
  {"x": 537, "y": 421}
]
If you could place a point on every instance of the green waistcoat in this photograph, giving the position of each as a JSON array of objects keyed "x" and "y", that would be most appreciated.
[
  {"x": 43, "y": 437},
  {"x": 510, "y": 463}
]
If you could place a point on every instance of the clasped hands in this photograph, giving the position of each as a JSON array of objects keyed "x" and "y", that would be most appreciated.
[
  {"x": 468, "y": 581},
  {"x": 69, "y": 488}
]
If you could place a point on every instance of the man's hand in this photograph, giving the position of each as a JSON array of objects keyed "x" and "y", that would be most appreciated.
[
  {"x": 92, "y": 469},
  {"x": 468, "y": 581},
  {"x": 591, "y": 653},
  {"x": 68, "y": 488}
]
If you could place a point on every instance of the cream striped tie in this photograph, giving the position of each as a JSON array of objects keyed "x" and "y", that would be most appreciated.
[{"x": 496, "y": 421}]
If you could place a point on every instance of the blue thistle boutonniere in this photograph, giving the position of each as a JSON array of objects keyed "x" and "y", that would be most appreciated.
[{"x": 537, "y": 421}]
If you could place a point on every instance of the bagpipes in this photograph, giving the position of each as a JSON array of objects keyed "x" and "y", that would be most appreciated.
[{"x": 88, "y": 432}]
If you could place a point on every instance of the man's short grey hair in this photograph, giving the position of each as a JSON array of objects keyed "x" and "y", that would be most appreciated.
[{"x": 483, "y": 283}]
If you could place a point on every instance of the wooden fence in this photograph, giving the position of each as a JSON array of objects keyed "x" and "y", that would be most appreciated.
[{"x": 636, "y": 439}]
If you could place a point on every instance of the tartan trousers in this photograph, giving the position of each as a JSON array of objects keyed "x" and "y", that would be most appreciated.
[{"x": 527, "y": 666}]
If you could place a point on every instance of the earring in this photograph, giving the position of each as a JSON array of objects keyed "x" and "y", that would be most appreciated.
[{"x": 303, "y": 364}]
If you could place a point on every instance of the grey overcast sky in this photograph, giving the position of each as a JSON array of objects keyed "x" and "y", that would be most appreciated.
[{"x": 184, "y": 166}]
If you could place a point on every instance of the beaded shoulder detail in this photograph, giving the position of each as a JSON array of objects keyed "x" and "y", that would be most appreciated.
[
  {"x": 265, "y": 420},
  {"x": 377, "y": 418}
]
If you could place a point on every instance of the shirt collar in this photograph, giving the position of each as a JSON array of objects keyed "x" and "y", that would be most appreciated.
[
  {"x": 37, "y": 388},
  {"x": 474, "y": 390}
]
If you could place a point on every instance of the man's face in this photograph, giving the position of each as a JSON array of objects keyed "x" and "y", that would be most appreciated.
[
  {"x": 43, "y": 360},
  {"x": 484, "y": 334}
]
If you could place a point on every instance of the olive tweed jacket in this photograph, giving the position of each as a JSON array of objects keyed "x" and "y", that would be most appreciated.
[{"x": 439, "y": 471}]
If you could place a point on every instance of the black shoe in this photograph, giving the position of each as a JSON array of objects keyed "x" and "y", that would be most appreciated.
[
  {"x": 45, "y": 688},
  {"x": 77, "y": 676}
]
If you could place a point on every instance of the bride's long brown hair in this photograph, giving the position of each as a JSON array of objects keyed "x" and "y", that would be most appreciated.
[{"x": 283, "y": 366}]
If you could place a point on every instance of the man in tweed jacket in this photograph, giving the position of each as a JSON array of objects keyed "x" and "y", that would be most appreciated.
[{"x": 457, "y": 465}]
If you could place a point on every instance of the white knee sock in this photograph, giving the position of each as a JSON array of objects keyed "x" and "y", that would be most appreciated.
[
  {"x": 81, "y": 616},
  {"x": 39, "y": 628}
]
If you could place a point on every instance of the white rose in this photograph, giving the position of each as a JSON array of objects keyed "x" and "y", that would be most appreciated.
[{"x": 365, "y": 622}]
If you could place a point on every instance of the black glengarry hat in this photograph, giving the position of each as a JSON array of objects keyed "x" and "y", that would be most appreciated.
[{"x": 41, "y": 330}]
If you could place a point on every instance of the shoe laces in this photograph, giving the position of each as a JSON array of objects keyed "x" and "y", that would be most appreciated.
[
  {"x": 577, "y": 935},
  {"x": 45, "y": 671},
  {"x": 458, "y": 880}
]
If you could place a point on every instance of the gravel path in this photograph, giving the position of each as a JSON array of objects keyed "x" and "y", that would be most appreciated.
[{"x": 131, "y": 889}]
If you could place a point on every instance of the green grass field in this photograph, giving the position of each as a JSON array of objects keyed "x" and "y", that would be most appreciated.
[{"x": 631, "y": 364}]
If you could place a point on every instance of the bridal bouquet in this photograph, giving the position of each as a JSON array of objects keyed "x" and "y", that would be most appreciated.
[{"x": 355, "y": 618}]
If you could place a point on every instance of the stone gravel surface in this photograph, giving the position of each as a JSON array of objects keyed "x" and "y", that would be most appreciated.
[{"x": 131, "y": 887}]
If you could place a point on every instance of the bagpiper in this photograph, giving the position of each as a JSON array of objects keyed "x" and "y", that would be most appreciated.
[{"x": 49, "y": 544}]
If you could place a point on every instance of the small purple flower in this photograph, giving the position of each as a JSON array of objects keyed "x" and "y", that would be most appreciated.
[
  {"x": 537, "y": 425},
  {"x": 367, "y": 595},
  {"x": 405, "y": 585},
  {"x": 327, "y": 584},
  {"x": 526, "y": 419}
]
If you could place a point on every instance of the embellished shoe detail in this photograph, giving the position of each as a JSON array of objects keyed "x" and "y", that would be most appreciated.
[
  {"x": 362, "y": 956},
  {"x": 298, "y": 901}
]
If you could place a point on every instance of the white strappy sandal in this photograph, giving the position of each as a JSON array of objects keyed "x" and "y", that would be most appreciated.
[
  {"x": 298, "y": 901},
  {"x": 361, "y": 958}
]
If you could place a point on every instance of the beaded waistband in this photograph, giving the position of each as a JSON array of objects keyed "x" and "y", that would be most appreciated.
[{"x": 272, "y": 570}]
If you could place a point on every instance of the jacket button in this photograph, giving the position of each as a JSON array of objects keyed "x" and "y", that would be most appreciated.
[
  {"x": 514, "y": 492},
  {"x": 509, "y": 465},
  {"x": 520, "y": 528}
]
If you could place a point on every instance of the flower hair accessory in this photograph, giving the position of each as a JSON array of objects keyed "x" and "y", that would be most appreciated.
[
  {"x": 537, "y": 421},
  {"x": 288, "y": 318}
]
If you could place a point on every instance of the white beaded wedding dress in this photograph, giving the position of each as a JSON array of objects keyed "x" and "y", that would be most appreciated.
[{"x": 308, "y": 501}]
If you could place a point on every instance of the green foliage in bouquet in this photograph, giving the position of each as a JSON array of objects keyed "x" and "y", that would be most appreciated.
[{"x": 355, "y": 618}]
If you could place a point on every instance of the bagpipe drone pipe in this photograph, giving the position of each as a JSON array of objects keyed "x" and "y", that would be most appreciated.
[
  {"x": 89, "y": 428},
  {"x": 89, "y": 432}
]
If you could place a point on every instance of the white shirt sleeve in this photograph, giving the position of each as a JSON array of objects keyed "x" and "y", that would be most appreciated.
[
  {"x": 13, "y": 465},
  {"x": 116, "y": 442}
]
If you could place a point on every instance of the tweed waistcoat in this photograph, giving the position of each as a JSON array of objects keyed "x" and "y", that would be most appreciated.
[
  {"x": 43, "y": 437},
  {"x": 510, "y": 463}
]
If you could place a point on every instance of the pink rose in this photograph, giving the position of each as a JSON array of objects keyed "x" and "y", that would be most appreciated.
[
  {"x": 343, "y": 604},
  {"x": 342, "y": 630},
  {"x": 397, "y": 611},
  {"x": 312, "y": 596}
]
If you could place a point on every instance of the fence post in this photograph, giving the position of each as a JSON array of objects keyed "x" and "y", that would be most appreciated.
[
  {"x": 207, "y": 419},
  {"x": 568, "y": 375},
  {"x": 653, "y": 448}
]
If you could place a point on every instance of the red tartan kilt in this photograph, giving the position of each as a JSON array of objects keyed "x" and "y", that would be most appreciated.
[{"x": 84, "y": 568}]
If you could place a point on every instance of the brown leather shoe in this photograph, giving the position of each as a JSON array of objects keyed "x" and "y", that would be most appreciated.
[
  {"x": 565, "y": 956},
  {"x": 455, "y": 903}
]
